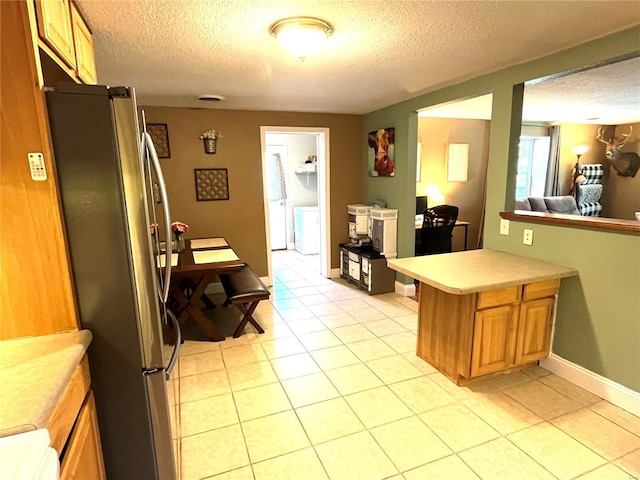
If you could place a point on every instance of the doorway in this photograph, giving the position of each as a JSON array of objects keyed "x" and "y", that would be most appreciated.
[
  {"x": 307, "y": 171},
  {"x": 466, "y": 121}
]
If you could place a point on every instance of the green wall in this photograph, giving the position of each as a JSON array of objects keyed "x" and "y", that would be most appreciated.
[{"x": 598, "y": 315}]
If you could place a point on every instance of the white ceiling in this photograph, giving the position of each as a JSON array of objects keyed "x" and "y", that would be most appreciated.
[{"x": 381, "y": 52}]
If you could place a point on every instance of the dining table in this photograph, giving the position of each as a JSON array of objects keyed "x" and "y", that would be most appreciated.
[{"x": 193, "y": 269}]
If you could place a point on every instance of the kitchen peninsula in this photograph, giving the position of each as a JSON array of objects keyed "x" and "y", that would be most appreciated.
[{"x": 483, "y": 311}]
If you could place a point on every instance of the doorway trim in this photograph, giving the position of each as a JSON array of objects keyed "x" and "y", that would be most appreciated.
[{"x": 324, "y": 203}]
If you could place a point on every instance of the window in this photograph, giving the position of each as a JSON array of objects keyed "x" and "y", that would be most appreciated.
[{"x": 533, "y": 157}]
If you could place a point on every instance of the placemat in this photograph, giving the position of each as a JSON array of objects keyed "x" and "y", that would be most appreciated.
[
  {"x": 212, "y": 256},
  {"x": 204, "y": 243}
]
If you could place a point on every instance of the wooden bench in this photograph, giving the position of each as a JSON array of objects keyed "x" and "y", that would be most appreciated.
[{"x": 245, "y": 290}]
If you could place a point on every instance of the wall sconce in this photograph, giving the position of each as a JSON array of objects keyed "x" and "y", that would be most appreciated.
[{"x": 301, "y": 36}]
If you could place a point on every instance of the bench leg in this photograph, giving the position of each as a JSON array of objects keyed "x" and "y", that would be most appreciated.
[{"x": 248, "y": 312}]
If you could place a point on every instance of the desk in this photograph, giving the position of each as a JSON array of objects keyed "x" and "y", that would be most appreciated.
[
  {"x": 198, "y": 266},
  {"x": 459, "y": 223}
]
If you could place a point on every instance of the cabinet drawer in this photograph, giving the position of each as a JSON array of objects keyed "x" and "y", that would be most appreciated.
[
  {"x": 500, "y": 296},
  {"x": 64, "y": 415},
  {"x": 547, "y": 288},
  {"x": 83, "y": 457},
  {"x": 354, "y": 270}
]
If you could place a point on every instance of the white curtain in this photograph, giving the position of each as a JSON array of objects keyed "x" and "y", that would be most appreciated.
[
  {"x": 553, "y": 167},
  {"x": 276, "y": 186}
]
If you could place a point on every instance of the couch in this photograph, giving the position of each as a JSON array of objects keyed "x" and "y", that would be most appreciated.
[{"x": 555, "y": 204}]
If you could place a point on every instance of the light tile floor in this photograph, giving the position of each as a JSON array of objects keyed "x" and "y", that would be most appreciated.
[{"x": 334, "y": 390}]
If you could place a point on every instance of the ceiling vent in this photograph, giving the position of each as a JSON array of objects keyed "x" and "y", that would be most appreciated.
[{"x": 211, "y": 98}]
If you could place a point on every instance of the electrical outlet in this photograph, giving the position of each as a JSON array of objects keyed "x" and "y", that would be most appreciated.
[
  {"x": 504, "y": 226},
  {"x": 527, "y": 239}
]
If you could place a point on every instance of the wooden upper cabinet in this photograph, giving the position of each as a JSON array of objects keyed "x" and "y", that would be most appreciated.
[
  {"x": 85, "y": 62},
  {"x": 54, "y": 27},
  {"x": 36, "y": 293}
]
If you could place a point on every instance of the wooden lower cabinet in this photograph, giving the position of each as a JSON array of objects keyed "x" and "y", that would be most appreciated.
[
  {"x": 494, "y": 340},
  {"x": 534, "y": 330},
  {"x": 83, "y": 457},
  {"x": 467, "y": 336},
  {"x": 73, "y": 428}
]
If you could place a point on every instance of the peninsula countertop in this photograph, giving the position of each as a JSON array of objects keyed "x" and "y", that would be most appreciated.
[
  {"x": 34, "y": 372},
  {"x": 472, "y": 271}
]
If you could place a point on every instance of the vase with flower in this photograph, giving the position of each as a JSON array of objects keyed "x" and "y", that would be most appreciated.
[
  {"x": 210, "y": 139},
  {"x": 179, "y": 229}
]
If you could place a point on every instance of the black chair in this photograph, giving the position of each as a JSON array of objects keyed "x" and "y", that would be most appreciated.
[{"x": 437, "y": 230}]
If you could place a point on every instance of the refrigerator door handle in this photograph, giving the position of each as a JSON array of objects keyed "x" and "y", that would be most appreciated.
[
  {"x": 165, "y": 208},
  {"x": 176, "y": 350}
]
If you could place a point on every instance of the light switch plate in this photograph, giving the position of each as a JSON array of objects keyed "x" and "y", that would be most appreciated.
[
  {"x": 37, "y": 167},
  {"x": 504, "y": 226},
  {"x": 527, "y": 238}
]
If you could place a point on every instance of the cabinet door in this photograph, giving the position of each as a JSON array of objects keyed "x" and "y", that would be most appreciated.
[
  {"x": 83, "y": 458},
  {"x": 54, "y": 27},
  {"x": 534, "y": 330},
  {"x": 494, "y": 340},
  {"x": 85, "y": 62}
]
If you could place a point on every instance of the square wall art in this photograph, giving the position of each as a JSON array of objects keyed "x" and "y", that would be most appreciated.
[
  {"x": 160, "y": 136},
  {"x": 211, "y": 184}
]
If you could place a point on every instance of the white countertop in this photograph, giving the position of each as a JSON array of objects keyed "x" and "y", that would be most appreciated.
[
  {"x": 34, "y": 371},
  {"x": 474, "y": 271}
]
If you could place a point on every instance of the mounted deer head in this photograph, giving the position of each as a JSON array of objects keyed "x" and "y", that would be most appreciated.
[{"x": 626, "y": 164}]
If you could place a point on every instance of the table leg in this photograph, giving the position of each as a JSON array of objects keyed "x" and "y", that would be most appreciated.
[
  {"x": 465, "y": 236},
  {"x": 205, "y": 323},
  {"x": 187, "y": 307}
]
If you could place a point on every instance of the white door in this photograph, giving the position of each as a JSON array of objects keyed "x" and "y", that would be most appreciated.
[{"x": 277, "y": 197}]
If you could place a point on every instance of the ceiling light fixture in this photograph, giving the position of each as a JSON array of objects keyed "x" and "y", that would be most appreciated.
[{"x": 301, "y": 36}]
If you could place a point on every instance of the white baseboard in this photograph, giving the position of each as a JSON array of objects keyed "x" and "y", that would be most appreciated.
[
  {"x": 405, "y": 290},
  {"x": 609, "y": 390}
]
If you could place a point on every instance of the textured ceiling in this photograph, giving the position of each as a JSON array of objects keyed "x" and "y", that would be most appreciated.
[
  {"x": 381, "y": 52},
  {"x": 606, "y": 95}
]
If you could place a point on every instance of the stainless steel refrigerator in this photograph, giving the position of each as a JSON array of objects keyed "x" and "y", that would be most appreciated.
[{"x": 112, "y": 190}]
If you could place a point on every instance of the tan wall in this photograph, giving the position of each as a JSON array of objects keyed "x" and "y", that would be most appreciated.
[
  {"x": 621, "y": 195},
  {"x": 434, "y": 134},
  {"x": 241, "y": 219},
  {"x": 572, "y": 134}
]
